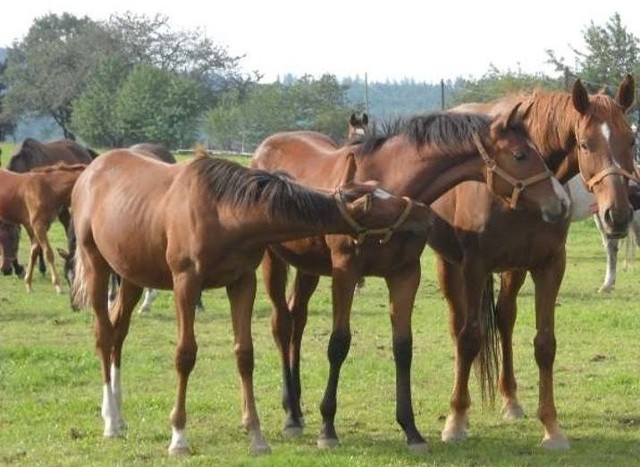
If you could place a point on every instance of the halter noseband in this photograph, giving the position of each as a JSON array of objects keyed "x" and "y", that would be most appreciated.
[
  {"x": 518, "y": 185},
  {"x": 611, "y": 170},
  {"x": 363, "y": 231}
]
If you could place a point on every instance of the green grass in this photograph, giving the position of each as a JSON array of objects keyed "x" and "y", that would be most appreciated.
[{"x": 50, "y": 384}]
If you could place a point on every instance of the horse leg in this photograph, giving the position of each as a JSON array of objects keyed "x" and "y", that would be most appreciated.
[
  {"x": 40, "y": 232},
  {"x": 611, "y": 247},
  {"x": 547, "y": 282},
  {"x": 114, "y": 283},
  {"x": 403, "y": 286},
  {"x": 96, "y": 275},
  {"x": 506, "y": 313},
  {"x": 149, "y": 297},
  {"x": 451, "y": 283},
  {"x": 343, "y": 284},
  {"x": 185, "y": 292},
  {"x": 468, "y": 346},
  {"x": 120, "y": 316},
  {"x": 274, "y": 273},
  {"x": 242, "y": 295},
  {"x": 199, "y": 305},
  {"x": 35, "y": 249}
]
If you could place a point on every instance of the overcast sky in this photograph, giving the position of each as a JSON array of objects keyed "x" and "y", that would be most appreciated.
[{"x": 423, "y": 40}]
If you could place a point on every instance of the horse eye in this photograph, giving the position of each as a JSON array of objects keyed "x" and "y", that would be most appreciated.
[
  {"x": 584, "y": 146},
  {"x": 520, "y": 155}
]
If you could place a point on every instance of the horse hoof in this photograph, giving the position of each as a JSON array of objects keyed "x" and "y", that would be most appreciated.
[
  {"x": 293, "y": 431},
  {"x": 179, "y": 451},
  {"x": 555, "y": 444},
  {"x": 259, "y": 449},
  {"x": 328, "y": 443},
  {"x": 418, "y": 448},
  {"x": 512, "y": 412},
  {"x": 143, "y": 311},
  {"x": 606, "y": 289}
]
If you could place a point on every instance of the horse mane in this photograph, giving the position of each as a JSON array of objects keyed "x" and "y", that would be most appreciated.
[
  {"x": 60, "y": 166},
  {"x": 242, "y": 187},
  {"x": 450, "y": 131}
]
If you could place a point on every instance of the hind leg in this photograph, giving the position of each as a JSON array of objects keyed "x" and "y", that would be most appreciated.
[
  {"x": 40, "y": 233},
  {"x": 120, "y": 316},
  {"x": 506, "y": 313},
  {"x": 149, "y": 297}
]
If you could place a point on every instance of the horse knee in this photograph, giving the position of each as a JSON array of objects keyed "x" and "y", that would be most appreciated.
[
  {"x": 339, "y": 344},
  {"x": 244, "y": 359},
  {"x": 186, "y": 359},
  {"x": 545, "y": 348},
  {"x": 402, "y": 351},
  {"x": 469, "y": 342}
]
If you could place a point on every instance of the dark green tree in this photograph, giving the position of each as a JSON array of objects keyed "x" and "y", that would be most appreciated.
[
  {"x": 48, "y": 69},
  {"x": 7, "y": 126}
]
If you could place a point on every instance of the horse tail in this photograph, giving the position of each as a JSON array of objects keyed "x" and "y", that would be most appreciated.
[
  {"x": 79, "y": 294},
  {"x": 486, "y": 363}
]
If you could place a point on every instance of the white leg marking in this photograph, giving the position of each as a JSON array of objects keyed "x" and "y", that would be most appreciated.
[
  {"x": 110, "y": 413},
  {"x": 179, "y": 442}
]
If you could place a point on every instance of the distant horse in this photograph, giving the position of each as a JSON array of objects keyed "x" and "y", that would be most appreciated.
[
  {"x": 576, "y": 133},
  {"x": 357, "y": 128},
  {"x": 421, "y": 158},
  {"x": 34, "y": 199},
  {"x": 32, "y": 154},
  {"x": 582, "y": 202},
  {"x": 194, "y": 226}
]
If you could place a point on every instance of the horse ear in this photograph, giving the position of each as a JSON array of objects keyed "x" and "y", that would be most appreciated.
[
  {"x": 350, "y": 170},
  {"x": 580, "y": 97},
  {"x": 512, "y": 117},
  {"x": 353, "y": 121},
  {"x": 526, "y": 109},
  {"x": 626, "y": 92},
  {"x": 365, "y": 119}
]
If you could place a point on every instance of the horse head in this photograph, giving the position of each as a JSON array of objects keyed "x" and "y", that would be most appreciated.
[
  {"x": 604, "y": 143},
  {"x": 516, "y": 171}
]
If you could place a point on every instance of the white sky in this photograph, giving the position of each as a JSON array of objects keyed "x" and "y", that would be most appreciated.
[{"x": 387, "y": 39}]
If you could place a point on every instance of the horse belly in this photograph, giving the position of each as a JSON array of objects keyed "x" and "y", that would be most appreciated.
[{"x": 310, "y": 255}]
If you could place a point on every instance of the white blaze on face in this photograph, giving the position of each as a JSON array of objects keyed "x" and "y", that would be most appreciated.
[
  {"x": 359, "y": 131},
  {"x": 606, "y": 132}
]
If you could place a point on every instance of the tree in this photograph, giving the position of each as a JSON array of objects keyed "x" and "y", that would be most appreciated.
[
  {"x": 48, "y": 69},
  {"x": 611, "y": 53},
  {"x": 156, "y": 105},
  {"x": 7, "y": 126}
]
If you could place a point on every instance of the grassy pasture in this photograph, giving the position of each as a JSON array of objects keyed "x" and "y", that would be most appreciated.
[{"x": 50, "y": 388}]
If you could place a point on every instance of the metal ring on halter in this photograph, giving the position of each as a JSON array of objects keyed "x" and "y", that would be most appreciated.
[{"x": 362, "y": 231}]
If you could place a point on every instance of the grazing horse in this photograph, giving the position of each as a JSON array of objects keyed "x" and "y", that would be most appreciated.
[
  {"x": 34, "y": 199},
  {"x": 32, "y": 154},
  {"x": 420, "y": 158},
  {"x": 194, "y": 226},
  {"x": 576, "y": 133}
]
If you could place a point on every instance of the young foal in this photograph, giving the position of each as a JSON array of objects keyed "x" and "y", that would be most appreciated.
[
  {"x": 34, "y": 199},
  {"x": 193, "y": 226}
]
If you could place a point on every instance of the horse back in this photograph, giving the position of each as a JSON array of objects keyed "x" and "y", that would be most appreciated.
[{"x": 310, "y": 157}]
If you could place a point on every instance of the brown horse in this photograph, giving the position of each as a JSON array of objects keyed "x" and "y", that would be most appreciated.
[
  {"x": 193, "y": 226},
  {"x": 33, "y": 153},
  {"x": 9, "y": 238},
  {"x": 576, "y": 133},
  {"x": 422, "y": 159},
  {"x": 34, "y": 199}
]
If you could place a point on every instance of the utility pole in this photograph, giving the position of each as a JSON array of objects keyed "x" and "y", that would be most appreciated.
[
  {"x": 366, "y": 93},
  {"x": 442, "y": 94}
]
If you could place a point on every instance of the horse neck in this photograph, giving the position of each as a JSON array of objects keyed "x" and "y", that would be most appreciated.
[
  {"x": 551, "y": 125},
  {"x": 424, "y": 174},
  {"x": 62, "y": 182}
]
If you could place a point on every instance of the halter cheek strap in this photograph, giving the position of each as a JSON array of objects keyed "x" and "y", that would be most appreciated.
[
  {"x": 362, "y": 231},
  {"x": 518, "y": 185}
]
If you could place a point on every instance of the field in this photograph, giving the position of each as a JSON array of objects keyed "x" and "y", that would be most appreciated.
[{"x": 50, "y": 385}]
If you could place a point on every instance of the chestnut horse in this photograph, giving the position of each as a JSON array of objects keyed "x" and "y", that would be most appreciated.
[
  {"x": 420, "y": 158},
  {"x": 32, "y": 154},
  {"x": 193, "y": 226},
  {"x": 576, "y": 133},
  {"x": 34, "y": 199}
]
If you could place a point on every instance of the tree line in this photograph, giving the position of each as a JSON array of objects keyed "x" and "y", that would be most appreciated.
[{"x": 132, "y": 78}]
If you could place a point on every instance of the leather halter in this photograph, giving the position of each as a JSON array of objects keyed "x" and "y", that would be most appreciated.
[
  {"x": 363, "y": 231},
  {"x": 611, "y": 170},
  {"x": 518, "y": 185}
]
